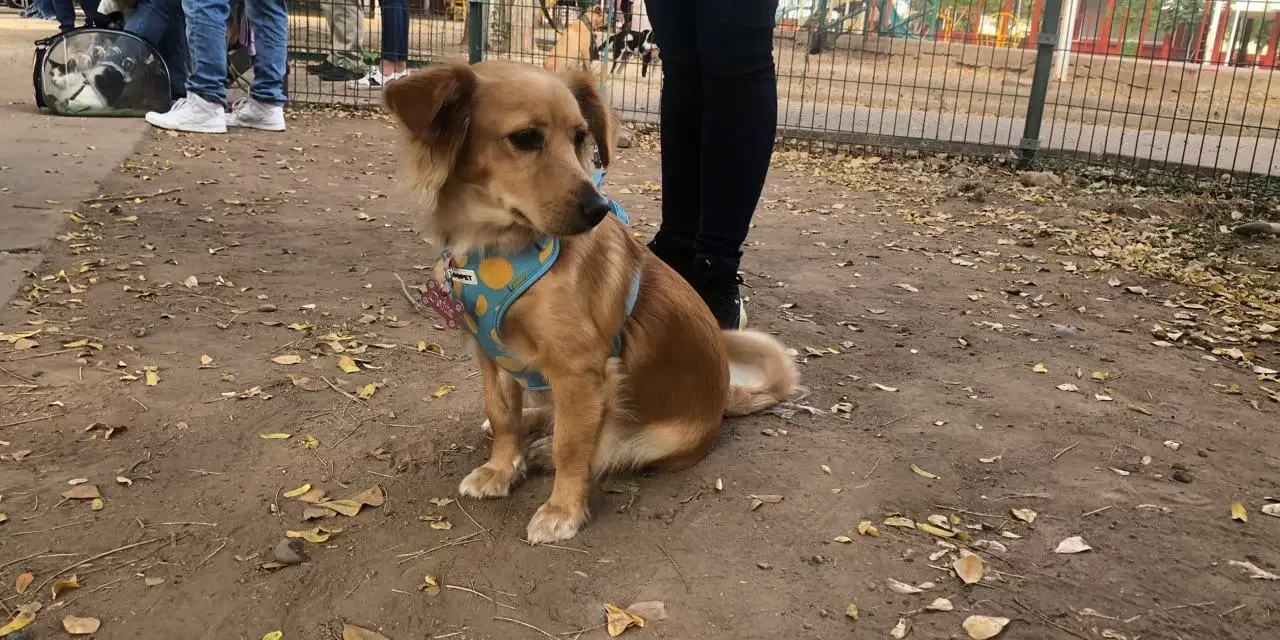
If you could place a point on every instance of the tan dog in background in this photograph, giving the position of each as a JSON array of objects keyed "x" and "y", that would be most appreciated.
[
  {"x": 573, "y": 47},
  {"x": 500, "y": 153}
]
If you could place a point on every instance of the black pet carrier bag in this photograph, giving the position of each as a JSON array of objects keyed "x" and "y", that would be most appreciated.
[{"x": 100, "y": 72}]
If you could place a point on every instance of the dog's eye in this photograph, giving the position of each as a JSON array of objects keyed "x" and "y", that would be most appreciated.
[
  {"x": 579, "y": 138},
  {"x": 526, "y": 139}
]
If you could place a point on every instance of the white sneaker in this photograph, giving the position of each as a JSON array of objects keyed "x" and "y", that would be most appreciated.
[
  {"x": 374, "y": 79},
  {"x": 256, "y": 115},
  {"x": 193, "y": 114}
]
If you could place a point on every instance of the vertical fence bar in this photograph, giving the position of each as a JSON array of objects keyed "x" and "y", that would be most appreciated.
[
  {"x": 1046, "y": 43},
  {"x": 475, "y": 33}
]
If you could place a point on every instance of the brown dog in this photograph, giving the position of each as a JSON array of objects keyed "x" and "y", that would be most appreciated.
[
  {"x": 573, "y": 48},
  {"x": 499, "y": 151}
]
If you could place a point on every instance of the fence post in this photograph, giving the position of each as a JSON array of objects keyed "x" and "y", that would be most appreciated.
[
  {"x": 1046, "y": 44},
  {"x": 475, "y": 35}
]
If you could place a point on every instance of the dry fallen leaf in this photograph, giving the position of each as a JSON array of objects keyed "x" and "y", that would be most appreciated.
[
  {"x": 898, "y": 586},
  {"x": 153, "y": 376},
  {"x": 273, "y": 635},
  {"x": 81, "y": 626},
  {"x": 1068, "y": 387},
  {"x": 374, "y": 497},
  {"x": 23, "y": 581},
  {"x": 291, "y": 358},
  {"x": 64, "y": 585},
  {"x": 935, "y": 530},
  {"x": 881, "y": 387},
  {"x": 1074, "y": 544},
  {"x": 367, "y": 391},
  {"x": 1255, "y": 572},
  {"x": 900, "y": 521},
  {"x": 991, "y": 459},
  {"x": 124, "y": 481},
  {"x": 307, "y": 384},
  {"x": 984, "y": 627},
  {"x": 1271, "y": 509},
  {"x": 618, "y": 619},
  {"x": 430, "y": 585},
  {"x": 26, "y": 615},
  {"x": 348, "y": 365},
  {"x": 900, "y": 630},
  {"x": 851, "y": 611},
  {"x": 1040, "y": 368},
  {"x": 968, "y": 567},
  {"x": 443, "y": 391},
  {"x": 315, "y": 535},
  {"x": 1026, "y": 515},
  {"x": 153, "y": 582},
  {"x": 275, "y": 436},
  {"x": 206, "y": 361},
  {"x": 293, "y": 493},
  {"x": 349, "y": 508},
  {"x": 82, "y": 492},
  {"x": 350, "y": 632},
  {"x": 441, "y": 502},
  {"x": 315, "y": 513},
  {"x": 1238, "y": 512},
  {"x": 940, "y": 604},
  {"x": 922, "y": 473},
  {"x": 97, "y": 504},
  {"x": 313, "y": 496},
  {"x": 191, "y": 282},
  {"x": 865, "y": 528},
  {"x": 907, "y": 287}
]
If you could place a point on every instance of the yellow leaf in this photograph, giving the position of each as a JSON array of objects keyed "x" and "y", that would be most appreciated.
[
  {"x": 374, "y": 497},
  {"x": 310, "y": 535},
  {"x": 1040, "y": 368},
  {"x": 367, "y": 391},
  {"x": 26, "y": 615},
  {"x": 153, "y": 377},
  {"x": 206, "y": 361},
  {"x": 351, "y": 632},
  {"x": 935, "y": 530},
  {"x": 300, "y": 326},
  {"x": 97, "y": 504},
  {"x": 291, "y": 358},
  {"x": 441, "y": 502},
  {"x": 843, "y": 539},
  {"x": 422, "y": 346},
  {"x": 293, "y": 493},
  {"x": 1238, "y": 512},
  {"x": 273, "y": 635},
  {"x": 922, "y": 473},
  {"x": 899, "y": 521},
  {"x": 1026, "y": 515},
  {"x": 431, "y": 586},
  {"x": 347, "y": 508},
  {"x": 1139, "y": 409},
  {"x": 313, "y": 496},
  {"x": 1101, "y": 376},
  {"x": 867, "y": 529},
  {"x": 348, "y": 365},
  {"x": 984, "y": 627},
  {"x": 23, "y": 582},
  {"x": 851, "y": 611},
  {"x": 82, "y": 492},
  {"x": 64, "y": 585},
  {"x": 443, "y": 391},
  {"x": 968, "y": 568},
  {"x": 310, "y": 442},
  {"x": 441, "y": 524},
  {"x": 81, "y": 626},
  {"x": 619, "y": 619},
  {"x": 275, "y": 436}
]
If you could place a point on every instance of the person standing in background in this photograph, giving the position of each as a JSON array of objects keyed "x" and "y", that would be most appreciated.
[
  {"x": 346, "y": 42},
  {"x": 395, "y": 47},
  {"x": 161, "y": 23},
  {"x": 719, "y": 118},
  {"x": 204, "y": 108}
]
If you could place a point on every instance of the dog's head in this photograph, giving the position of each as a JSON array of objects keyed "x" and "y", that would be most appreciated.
[
  {"x": 500, "y": 151},
  {"x": 595, "y": 17}
]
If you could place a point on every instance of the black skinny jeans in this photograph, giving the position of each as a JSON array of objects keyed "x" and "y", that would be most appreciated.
[{"x": 719, "y": 120}]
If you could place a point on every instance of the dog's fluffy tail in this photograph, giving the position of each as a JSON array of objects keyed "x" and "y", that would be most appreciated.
[{"x": 761, "y": 374}]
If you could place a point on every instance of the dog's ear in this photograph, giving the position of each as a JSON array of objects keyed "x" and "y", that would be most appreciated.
[
  {"x": 597, "y": 114},
  {"x": 435, "y": 105}
]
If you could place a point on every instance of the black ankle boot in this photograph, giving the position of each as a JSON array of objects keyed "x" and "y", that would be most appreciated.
[
  {"x": 717, "y": 283},
  {"x": 677, "y": 255}
]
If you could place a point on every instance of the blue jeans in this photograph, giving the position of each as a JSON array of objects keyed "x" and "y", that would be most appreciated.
[
  {"x": 207, "y": 41},
  {"x": 65, "y": 12},
  {"x": 395, "y": 30},
  {"x": 160, "y": 22}
]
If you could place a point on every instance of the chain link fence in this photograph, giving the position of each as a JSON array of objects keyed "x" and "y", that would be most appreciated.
[{"x": 1177, "y": 85}]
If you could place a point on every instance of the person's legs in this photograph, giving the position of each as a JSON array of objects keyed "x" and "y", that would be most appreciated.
[
  {"x": 739, "y": 121},
  {"x": 161, "y": 23},
  {"x": 203, "y": 110},
  {"x": 675, "y": 25},
  {"x": 91, "y": 16},
  {"x": 346, "y": 39},
  {"x": 270, "y": 22},
  {"x": 395, "y": 46},
  {"x": 65, "y": 12}
]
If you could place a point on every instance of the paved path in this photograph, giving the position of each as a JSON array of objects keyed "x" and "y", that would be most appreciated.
[{"x": 47, "y": 163}]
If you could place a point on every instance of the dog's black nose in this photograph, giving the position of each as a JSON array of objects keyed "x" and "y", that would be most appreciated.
[{"x": 592, "y": 206}]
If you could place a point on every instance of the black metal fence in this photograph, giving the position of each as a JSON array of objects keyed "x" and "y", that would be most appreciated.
[{"x": 1163, "y": 84}]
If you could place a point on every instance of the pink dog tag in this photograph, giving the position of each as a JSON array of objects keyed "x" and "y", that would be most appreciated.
[{"x": 439, "y": 300}]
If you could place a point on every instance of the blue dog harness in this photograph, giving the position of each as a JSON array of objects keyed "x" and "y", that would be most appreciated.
[{"x": 487, "y": 283}]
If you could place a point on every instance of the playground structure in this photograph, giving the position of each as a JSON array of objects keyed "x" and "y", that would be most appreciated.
[{"x": 1208, "y": 32}]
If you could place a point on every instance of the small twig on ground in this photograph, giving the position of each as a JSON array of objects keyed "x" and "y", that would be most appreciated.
[
  {"x": 972, "y": 513},
  {"x": 24, "y": 379},
  {"x": 61, "y": 526},
  {"x": 473, "y": 520},
  {"x": 99, "y": 556},
  {"x": 526, "y": 625},
  {"x": 22, "y": 559},
  {"x": 1197, "y": 605},
  {"x": 358, "y": 583},
  {"x": 28, "y": 420},
  {"x": 213, "y": 553},
  {"x": 469, "y": 538},
  {"x": 417, "y": 306},
  {"x": 1046, "y": 620},
  {"x": 41, "y": 355},
  {"x": 905, "y": 415},
  {"x": 556, "y": 546},
  {"x": 578, "y": 634},
  {"x": 1059, "y": 454},
  {"x": 348, "y": 395},
  {"x": 161, "y": 192},
  {"x": 1096, "y": 511},
  {"x": 873, "y": 469},
  {"x": 1021, "y": 495},
  {"x": 676, "y": 567},
  {"x": 144, "y": 407},
  {"x": 473, "y": 591},
  {"x": 139, "y": 463},
  {"x": 87, "y": 593},
  {"x": 205, "y": 473},
  {"x": 1231, "y": 610},
  {"x": 181, "y": 524}
]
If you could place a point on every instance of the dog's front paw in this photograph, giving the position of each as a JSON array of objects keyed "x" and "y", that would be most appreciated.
[
  {"x": 487, "y": 482},
  {"x": 554, "y": 524}
]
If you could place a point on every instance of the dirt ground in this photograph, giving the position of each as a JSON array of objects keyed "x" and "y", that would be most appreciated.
[{"x": 1001, "y": 340}]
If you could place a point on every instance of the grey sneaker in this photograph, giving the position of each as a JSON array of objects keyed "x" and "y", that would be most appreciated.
[
  {"x": 256, "y": 115},
  {"x": 192, "y": 114}
]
